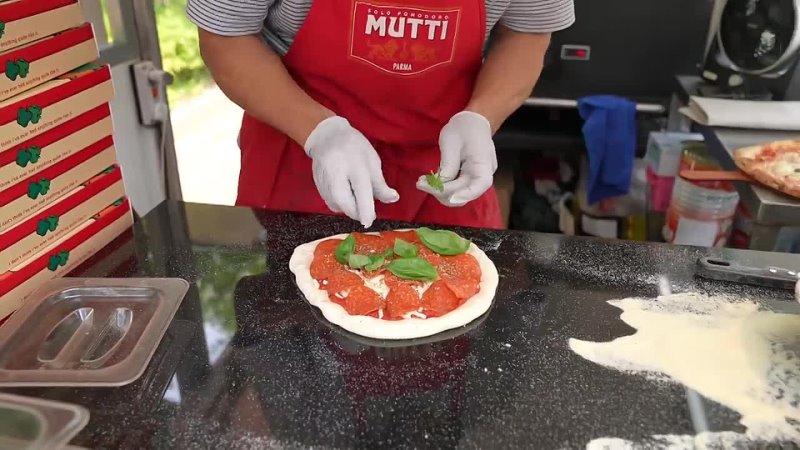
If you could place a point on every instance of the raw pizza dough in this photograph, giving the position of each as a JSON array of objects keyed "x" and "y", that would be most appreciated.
[
  {"x": 776, "y": 165},
  {"x": 371, "y": 327}
]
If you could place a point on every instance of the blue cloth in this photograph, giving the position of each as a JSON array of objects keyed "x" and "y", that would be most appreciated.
[{"x": 610, "y": 135}]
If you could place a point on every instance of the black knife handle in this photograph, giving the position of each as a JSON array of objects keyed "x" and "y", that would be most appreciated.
[{"x": 722, "y": 270}]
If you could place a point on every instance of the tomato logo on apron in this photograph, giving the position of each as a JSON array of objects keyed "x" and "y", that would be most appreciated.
[{"x": 403, "y": 41}]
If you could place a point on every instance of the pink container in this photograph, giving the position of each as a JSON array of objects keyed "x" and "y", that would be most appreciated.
[{"x": 660, "y": 191}]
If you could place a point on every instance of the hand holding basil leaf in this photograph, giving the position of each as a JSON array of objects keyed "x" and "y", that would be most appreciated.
[
  {"x": 435, "y": 181},
  {"x": 404, "y": 249},
  {"x": 443, "y": 242},
  {"x": 345, "y": 249},
  {"x": 412, "y": 269}
]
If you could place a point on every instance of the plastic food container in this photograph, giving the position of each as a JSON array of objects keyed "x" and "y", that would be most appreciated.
[
  {"x": 664, "y": 151},
  {"x": 697, "y": 157},
  {"x": 659, "y": 190},
  {"x": 32, "y": 423},
  {"x": 699, "y": 215},
  {"x": 88, "y": 332}
]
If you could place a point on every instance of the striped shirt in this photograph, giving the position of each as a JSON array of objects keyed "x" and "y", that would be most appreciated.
[{"x": 280, "y": 20}]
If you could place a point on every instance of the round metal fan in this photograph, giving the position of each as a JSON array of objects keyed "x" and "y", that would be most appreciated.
[{"x": 759, "y": 37}]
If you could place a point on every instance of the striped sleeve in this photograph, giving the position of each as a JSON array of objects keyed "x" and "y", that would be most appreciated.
[
  {"x": 539, "y": 16},
  {"x": 229, "y": 17}
]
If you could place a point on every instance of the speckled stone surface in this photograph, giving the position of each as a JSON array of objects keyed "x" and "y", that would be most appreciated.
[{"x": 247, "y": 363}]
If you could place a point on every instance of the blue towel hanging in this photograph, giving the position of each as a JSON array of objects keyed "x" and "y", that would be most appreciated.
[{"x": 610, "y": 135}]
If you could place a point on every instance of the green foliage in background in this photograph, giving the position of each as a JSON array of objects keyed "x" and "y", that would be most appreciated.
[
  {"x": 180, "y": 50},
  {"x": 222, "y": 272}
]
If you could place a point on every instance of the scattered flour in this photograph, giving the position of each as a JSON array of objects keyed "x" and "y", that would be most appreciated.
[
  {"x": 729, "y": 351},
  {"x": 723, "y": 441}
]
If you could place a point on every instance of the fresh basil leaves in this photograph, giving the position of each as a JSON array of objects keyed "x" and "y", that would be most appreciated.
[
  {"x": 345, "y": 249},
  {"x": 408, "y": 265},
  {"x": 435, "y": 181},
  {"x": 412, "y": 269},
  {"x": 443, "y": 242},
  {"x": 375, "y": 262},
  {"x": 358, "y": 261},
  {"x": 344, "y": 254},
  {"x": 404, "y": 249}
]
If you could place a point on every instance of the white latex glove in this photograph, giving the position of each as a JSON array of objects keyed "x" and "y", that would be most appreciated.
[
  {"x": 468, "y": 160},
  {"x": 347, "y": 170}
]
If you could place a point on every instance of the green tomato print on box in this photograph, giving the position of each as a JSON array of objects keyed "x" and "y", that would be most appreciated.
[
  {"x": 38, "y": 188},
  {"x": 19, "y": 68},
  {"x": 2, "y": 29},
  {"x": 29, "y": 155},
  {"x": 27, "y": 116},
  {"x": 58, "y": 260},
  {"x": 46, "y": 225}
]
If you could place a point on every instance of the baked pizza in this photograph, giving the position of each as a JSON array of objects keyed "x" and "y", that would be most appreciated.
[
  {"x": 776, "y": 165},
  {"x": 400, "y": 284}
]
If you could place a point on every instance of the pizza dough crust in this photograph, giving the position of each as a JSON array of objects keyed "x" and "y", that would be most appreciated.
[{"x": 371, "y": 327}]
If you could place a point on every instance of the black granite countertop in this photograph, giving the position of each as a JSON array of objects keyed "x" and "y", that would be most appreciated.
[{"x": 247, "y": 363}]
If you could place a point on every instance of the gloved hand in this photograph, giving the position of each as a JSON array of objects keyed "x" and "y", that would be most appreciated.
[
  {"x": 468, "y": 160},
  {"x": 347, "y": 170}
]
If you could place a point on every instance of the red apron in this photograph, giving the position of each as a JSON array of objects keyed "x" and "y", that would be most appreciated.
[{"x": 397, "y": 73}]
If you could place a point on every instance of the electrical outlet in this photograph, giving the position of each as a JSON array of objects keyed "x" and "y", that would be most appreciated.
[{"x": 150, "y": 83}]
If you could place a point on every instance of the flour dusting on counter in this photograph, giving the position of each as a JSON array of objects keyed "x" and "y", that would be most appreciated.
[{"x": 730, "y": 351}]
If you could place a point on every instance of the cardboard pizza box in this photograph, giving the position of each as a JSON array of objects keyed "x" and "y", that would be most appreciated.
[
  {"x": 40, "y": 152},
  {"x": 38, "y": 62},
  {"x": 29, "y": 196},
  {"x": 24, "y": 21},
  {"x": 56, "y": 221},
  {"x": 20, "y": 282},
  {"x": 46, "y": 107}
]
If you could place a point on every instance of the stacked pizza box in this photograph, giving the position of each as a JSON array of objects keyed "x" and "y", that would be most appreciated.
[{"x": 61, "y": 193}]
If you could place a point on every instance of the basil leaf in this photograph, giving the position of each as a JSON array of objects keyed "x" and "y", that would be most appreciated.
[
  {"x": 375, "y": 262},
  {"x": 345, "y": 249},
  {"x": 412, "y": 269},
  {"x": 357, "y": 261},
  {"x": 404, "y": 249},
  {"x": 443, "y": 242},
  {"x": 435, "y": 181},
  {"x": 388, "y": 254}
]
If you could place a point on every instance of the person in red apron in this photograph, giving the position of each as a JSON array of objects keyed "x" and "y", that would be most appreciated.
[{"x": 399, "y": 93}]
